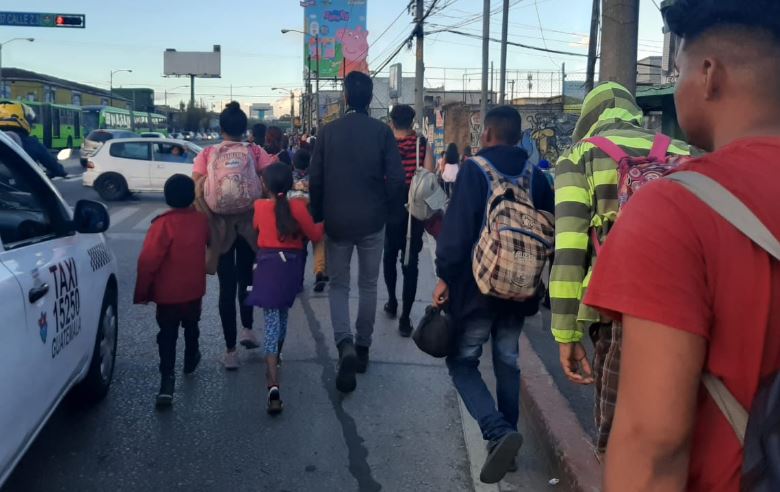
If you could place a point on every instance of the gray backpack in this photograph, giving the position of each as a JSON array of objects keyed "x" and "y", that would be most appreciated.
[{"x": 759, "y": 431}]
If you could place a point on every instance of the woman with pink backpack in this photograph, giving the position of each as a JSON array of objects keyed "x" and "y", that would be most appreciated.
[{"x": 228, "y": 182}]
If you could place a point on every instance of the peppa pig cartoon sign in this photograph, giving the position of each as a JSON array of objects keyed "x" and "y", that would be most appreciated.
[{"x": 339, "y": 26}]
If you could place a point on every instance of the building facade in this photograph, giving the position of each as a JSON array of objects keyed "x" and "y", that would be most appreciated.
[{"x": 32, "y": 86}]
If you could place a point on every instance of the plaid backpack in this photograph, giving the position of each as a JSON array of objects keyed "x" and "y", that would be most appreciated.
[
  {"x": 516, "y": 239},
  {"x": 635, "y": 172}
]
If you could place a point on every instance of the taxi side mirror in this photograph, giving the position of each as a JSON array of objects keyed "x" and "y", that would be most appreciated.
[{"x": 90, "y": 217}]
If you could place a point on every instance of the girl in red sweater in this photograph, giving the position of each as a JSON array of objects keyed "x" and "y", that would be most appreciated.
[{"x": 278, "y": 279}]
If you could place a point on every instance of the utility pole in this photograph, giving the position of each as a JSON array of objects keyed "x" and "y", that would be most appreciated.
[
  {"x": 619, "y": 34},
  {"x": 504, "y": 29},
  {"x": 317, "y": 80},
  {"x": 512, "y": 93},
  {"x": 419, "y": 80},
  {"x": 485, "y": 58},
  {"x": 492, "y": 82},
  {"x": 593, "y": 43}
]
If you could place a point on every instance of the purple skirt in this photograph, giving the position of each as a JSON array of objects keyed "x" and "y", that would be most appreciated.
[{"x": 277, "y": 279}]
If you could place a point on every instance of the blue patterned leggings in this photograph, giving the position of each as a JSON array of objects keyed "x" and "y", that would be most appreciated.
[{"x": 275, "y": 329}]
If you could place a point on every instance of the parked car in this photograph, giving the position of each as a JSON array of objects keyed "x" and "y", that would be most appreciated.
[
  {"x": 132, "y": 165},
  {"x": 58, "y": 298},
  {"x": 153, "y": 135},
  {"x": 189, "y": 136},
  {"x": 96, "y": 138}
]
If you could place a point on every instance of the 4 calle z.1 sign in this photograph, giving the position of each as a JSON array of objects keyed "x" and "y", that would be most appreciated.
[{"x": 42, "y": 19}]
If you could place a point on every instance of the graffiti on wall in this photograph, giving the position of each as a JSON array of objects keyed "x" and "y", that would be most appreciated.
[
  {"x": 548, "y": 134},
  {"x": 475, "y": 130}
]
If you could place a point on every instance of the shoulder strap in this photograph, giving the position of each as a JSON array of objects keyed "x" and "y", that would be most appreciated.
[
  {"x": 660, "y": 148},
  {"x": 608, "y": 147},
  {"x": 730, "y": 208},
  {"x": 734, "y": 412},
  {"x": 417, "y": 153}
]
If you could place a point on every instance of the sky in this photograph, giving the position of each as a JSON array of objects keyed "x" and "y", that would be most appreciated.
[{"x": 257, "y": 57}]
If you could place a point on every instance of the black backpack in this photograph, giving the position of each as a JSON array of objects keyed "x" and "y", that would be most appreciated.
[{"x": 759, "y": 431}]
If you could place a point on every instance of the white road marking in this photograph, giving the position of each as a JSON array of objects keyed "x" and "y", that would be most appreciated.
[
  {"x": 120, "y": 214},
  {"x": 74, "y": 177},
  {"x": 144, "y": 223}
]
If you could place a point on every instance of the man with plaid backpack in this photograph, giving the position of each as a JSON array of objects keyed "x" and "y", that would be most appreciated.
[{"x": 495, "y": 238}]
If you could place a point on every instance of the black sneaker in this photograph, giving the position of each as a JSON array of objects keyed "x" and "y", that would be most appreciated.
[
  {"x": 391, "y": 308},
  {"x": 362, "y": 359},
  {"x": 500, "y": 458},
  {"x": 191, "y": 361},
  {"x": 345, "y": 379},
  {"x": 320, "y": 283},
  {"x": 165, "y": 395},
  {"x": 405, "y": 327},
  {"x": 275, "y": 405}
]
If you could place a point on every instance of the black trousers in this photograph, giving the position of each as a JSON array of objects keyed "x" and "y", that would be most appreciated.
[
  {"x": 169, "y": 318},
  {"x": 395, "y": 247},
  {"x": 234, "y": 271}
]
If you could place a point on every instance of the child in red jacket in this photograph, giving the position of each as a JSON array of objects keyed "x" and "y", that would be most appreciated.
[
  {"x": 172, "y": 274},
  {"x": 283, "y": 226}
]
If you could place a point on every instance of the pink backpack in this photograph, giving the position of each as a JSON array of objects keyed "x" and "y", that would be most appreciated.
[
  {"x": 232, "y": 184},
  {"x": 635, "y": 172}
]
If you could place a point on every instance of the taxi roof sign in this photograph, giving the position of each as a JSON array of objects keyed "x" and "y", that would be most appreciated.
[{"x": 42, "y": 19}]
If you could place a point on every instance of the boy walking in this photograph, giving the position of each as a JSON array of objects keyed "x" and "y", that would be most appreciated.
[
  {"x": 696, "y": 296},
  {"x": 478, "y": 317},
  {"x": 300, "y": 190},
  {"x": 172, "y": 274}
]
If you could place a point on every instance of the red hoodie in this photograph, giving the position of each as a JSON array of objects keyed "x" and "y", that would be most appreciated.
[{"x": 172, "y": 264}]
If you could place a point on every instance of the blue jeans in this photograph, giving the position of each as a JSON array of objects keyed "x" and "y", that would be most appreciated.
[{"x": 504, "y": 331}]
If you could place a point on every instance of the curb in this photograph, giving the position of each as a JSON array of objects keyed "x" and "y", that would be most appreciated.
[{"x": 569, "y": 445}]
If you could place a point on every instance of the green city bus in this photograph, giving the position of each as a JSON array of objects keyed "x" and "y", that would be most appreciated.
[
  {"x": 56, "y": 126},
  {"x": 101, "y": 117}
]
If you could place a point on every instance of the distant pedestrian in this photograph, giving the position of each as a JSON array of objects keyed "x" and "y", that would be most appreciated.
[
  {"x": 257, "y": 134},
  {"x": 400, "y": 230},
  {"x": 301, "y": 162},
  {"x": 355, "y": 181},
  {"x": 479, "y": 318},
  {"x": 172, "y": 274},
  {"x": 282, "y": 227},
  {"x": 450, "y": 167},
  {"x": 274, "y": 145},
  {"x": 696, "y": 296},
  {"x": 232, "y": 249}
]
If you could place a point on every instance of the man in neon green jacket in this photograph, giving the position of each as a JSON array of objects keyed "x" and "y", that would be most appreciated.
[{"x": 586, "y": 197}]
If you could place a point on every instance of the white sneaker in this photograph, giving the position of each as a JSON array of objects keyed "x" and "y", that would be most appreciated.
[
  {"x": 247, "y": 339},
  {"x": 230, "y": 360}
]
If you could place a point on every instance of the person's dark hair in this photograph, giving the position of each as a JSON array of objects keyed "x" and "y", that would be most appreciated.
[
  {"x": 506, "y": 124},
  {"x": 451, "y": 156},
  {"x": 233, "y": 121},
  {"x": 402, "y": 117},
  {"x": 359, "y": 90},
  {"x": 273, "y": 140},
  {"x": 278, "y": 180},
  {"x": 302, "y": 159},
  {"x": 690, "y": 19},
  {"x": 179, "y": 191},
  {"x": 258, "y": 132},
  {"x": 467, "y": 151}
]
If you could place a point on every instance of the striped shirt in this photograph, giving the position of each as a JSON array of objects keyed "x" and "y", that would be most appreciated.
[
  {"x": 586, "y": 195},
  {"x": 407, "y": 146}
]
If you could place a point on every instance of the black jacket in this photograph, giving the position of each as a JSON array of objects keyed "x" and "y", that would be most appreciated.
[
  {"x": 463, "y": 224},
  {"x": 40, "y": 154},
  {"x": 355, "y": 176}
]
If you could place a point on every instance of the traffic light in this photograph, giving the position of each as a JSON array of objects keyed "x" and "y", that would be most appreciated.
[{"x": 65, "y": 20}]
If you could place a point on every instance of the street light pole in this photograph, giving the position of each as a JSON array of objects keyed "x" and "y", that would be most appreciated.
[
  {"x": 111, "y": 84},
  {"x": 2, "y": 82}
]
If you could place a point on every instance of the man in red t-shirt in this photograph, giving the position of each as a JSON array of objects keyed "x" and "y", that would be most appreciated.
[{"x": 693, "y": 293}]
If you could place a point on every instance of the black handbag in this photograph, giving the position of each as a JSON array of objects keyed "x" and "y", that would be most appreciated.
[{"x": 434, "y": 334}]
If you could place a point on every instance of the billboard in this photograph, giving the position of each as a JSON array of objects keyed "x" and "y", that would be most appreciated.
[
  {"x": 204, "y": 64},
  {"x": 340, "y": 28}
]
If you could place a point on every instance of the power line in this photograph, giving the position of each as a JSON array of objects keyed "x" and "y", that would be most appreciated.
[{"x": 519, "y": 45}]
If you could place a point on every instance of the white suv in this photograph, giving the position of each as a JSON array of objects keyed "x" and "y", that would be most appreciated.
[{"x": 58, "y": 302}]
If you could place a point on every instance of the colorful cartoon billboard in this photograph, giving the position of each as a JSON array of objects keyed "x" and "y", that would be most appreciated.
[{"x": 340, "y": 28}]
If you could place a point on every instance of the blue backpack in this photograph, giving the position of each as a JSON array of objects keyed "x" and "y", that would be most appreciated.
[{"x": 758, "y": 431}]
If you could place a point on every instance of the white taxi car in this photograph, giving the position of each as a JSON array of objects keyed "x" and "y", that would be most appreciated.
[
  {"x": 58, "y": 302},
  {"x": 129, "y": 165}
]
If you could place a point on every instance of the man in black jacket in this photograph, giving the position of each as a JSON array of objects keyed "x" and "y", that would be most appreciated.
[
  {"x": 355, "y": 176},
  {"x": 478, "y": 317}
]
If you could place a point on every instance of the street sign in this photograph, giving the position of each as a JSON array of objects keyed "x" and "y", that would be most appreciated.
[{"x": 42, "y": 19}]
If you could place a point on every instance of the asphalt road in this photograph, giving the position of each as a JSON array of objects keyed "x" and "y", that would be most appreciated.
[{"x": 400, "y": 431}]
